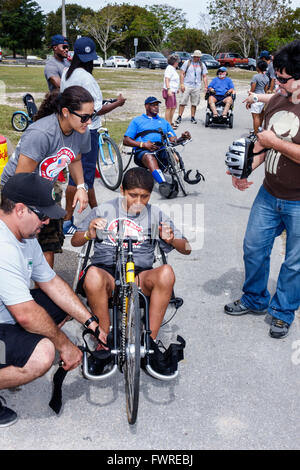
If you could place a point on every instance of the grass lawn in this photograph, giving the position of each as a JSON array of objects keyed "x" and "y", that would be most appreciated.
[{"x": 136, "y": 84}]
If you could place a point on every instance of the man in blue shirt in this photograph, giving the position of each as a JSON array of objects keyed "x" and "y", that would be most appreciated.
[
  {"x": 146, "y": 143},
  {"x": 221, "y": 87}
]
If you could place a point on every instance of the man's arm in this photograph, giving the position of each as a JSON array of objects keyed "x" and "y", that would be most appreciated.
[
  {"x": 129, "y": 142},
  {"x": 267, "y": 139},
  {"x": 55, "y": 81}
]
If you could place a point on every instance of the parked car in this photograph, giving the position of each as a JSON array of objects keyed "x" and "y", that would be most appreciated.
[
  {"x": 116, "y": 61},
  {"x": 98, "y": 62},
  {"x": 183, "y": 56},
  {"x": 210, "y": 61},
  {"x": 230, "y": 59},
  {"x": 250, "y": 66},
  {"x": 150, "y": 59},
  {"x": 131, "y": 63}
]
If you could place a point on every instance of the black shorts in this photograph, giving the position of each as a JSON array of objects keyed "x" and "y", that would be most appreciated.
[
  {"x": 17, "y": 344},
  {"x": 109, "y": 269}
]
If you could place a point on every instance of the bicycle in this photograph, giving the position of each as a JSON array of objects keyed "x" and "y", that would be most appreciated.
[
  {"x": 109, "y": 160},
  {"x": 130, "y": 330},
  {"x": 20, "y": 119}
]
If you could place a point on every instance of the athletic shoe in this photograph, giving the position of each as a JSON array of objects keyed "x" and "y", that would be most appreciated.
[
  {"x": 7, "y": 416},
  {"x": 238, "y": 308},
  {"x": 279, "y": 328},
  {"x": 193, "y": 120},
  {"x": 69, "y": 228},
  {"x": 178, "y": 120}
]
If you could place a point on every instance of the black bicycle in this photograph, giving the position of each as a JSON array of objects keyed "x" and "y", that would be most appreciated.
[{"x": 130, "y": 325}]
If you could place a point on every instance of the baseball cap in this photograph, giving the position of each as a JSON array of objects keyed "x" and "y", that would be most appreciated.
[
  {"x": 222, "y": 69},
  {"x": 151, "y": 99},
  {"x": 58, "y": 39},
  {"x": 85, "y": 49},
  {"x": 265, "y": 54},
  {"x": 197, "y": 53},
  {"x": 33, "y": 190}
]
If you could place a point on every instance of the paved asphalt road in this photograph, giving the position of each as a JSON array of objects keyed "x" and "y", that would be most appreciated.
[{"x": 237, "y": 388}]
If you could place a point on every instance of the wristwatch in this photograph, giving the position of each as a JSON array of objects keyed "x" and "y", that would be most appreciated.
[
  {"x": 255, "y": 98},
  {"x": 83, "y": 186}
]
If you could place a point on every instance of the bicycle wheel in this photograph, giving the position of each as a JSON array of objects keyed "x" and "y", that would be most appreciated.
[
  {"x": 109, "y": 163},
  {"x": 176, "y": 170},
  {"x": 133, "y": 354},
  {"x": 19, "y": 122}
]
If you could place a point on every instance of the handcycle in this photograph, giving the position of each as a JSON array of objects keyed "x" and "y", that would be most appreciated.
[
  {"x": 172, "y": 165},
  {"x": 109, "y": 161},
  {"x": 20, "y": 119},
  {"x": 129, "y": 338}
]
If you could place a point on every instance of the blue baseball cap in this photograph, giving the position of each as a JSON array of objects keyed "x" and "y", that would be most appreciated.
[
  {"x": 265, "y": 54},
  {"x": 58, "y": 39},
  {"x": 222, "y": 69},
  {"x": 85, "y": 49},
  {"x": 151, "y": 99}
]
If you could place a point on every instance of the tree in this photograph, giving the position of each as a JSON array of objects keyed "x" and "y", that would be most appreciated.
[
  {"x": 215, "y": 39},
  {"x": 170, "y": 18},
  {"x": 100, "y": 25},
  {"x": 23, "y": 26},
  {"x": 187, "y": 39},
  {"x": 285, "y": 30},
  {"x": 253, "y": 17},
  {"x": 74, "y": 15}
]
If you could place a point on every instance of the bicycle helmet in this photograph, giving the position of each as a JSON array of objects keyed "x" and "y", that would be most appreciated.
[
  {"x": 239, "y": 158},
  {"x": 169, "y": 190}
]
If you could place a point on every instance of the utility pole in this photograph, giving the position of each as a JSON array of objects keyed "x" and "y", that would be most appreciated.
[{"x": 63, "y": 18}]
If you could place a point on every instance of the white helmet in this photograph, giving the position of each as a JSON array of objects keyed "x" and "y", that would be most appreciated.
[{"x": 239, "y": 158}]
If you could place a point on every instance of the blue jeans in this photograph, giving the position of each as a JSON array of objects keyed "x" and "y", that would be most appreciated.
[{"x": 269, "y": 216}]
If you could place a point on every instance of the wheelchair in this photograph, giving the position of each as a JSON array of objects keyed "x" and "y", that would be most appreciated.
[
  {"x": 130, "y": 345},
  {"x": 20, "y": 119},
  {"x": 219, "y": 120}
]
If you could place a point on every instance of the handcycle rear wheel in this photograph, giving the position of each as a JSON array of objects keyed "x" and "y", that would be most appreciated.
[
  {"x": 133, "y": 354},
  {"x": 109, "y": 163},
  {"x": 19, "y": 122},
  {"x": 174, "y": 160}
]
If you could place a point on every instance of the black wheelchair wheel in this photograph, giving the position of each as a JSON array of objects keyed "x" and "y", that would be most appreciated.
[
  {"x": 133, "y": 354},
  {"x": 19, "y": 122},
  {"x": 109, "y": 163},
  {"x": 176, "y": 170},
  {"x": 207, "y": 118},
  {"x": 230, "y": 123}
]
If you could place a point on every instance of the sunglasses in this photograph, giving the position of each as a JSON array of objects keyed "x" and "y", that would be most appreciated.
[
  {"x": 282, "y": 80},
  {"x": 65, "y": 47},
  {"x": 83, "y": 117},
  {"x": 40, "y": 215}
]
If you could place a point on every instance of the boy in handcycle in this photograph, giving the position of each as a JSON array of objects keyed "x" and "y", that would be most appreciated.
[
  {"x": 144, "y": 133},
  {"x": 138, "y": 217}
]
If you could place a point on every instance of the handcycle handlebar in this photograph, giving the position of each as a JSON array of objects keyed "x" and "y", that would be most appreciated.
[{"x": 109, "y": 100}]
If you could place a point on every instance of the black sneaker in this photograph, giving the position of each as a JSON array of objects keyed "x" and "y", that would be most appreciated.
[
  {"x": 238, "y": 308},
  {"x": 178, "y": 120},
  {"x": 7, "y": 416},
  {"x": 279, "y": 328},
  {"x": 193, "y": 120}
]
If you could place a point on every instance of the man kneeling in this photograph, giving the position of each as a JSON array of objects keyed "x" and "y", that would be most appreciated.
[{"x": 138, "y": 216}]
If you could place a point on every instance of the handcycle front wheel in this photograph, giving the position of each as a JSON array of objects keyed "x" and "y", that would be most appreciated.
[
  {"x": 19, "y": 122},
  {"x": 176, "y": 170},
  {"x": 109, "y": 163},
  {"x": 133, "y": 354}
]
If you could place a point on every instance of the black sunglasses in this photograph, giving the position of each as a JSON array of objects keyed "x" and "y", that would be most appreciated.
[
  {"x": 282, "y": 80},
  {"x": 65, "y": 47},
  {"x": 40, "y": 215},
  {"x": 83, "y": 117}
]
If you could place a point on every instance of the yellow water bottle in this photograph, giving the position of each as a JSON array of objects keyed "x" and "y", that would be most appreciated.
[
  {"x": 3, "y": 153},
  {"x": 130, "y": 275}
]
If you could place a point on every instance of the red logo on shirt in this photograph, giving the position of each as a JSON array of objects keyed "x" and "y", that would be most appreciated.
[{"x": 52, "y": 166}]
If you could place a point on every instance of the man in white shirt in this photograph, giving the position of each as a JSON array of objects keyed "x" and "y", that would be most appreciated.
[
  {"x": 30, "y": 319},
  {"x": 191, "y": 74}
]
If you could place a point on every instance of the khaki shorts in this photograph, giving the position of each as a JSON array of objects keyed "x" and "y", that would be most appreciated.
[
  {"x": 193, "y": 94},
  {"x": 51, "y": 237}
]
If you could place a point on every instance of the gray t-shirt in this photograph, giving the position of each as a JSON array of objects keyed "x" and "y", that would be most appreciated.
[
  {"x": 54, "y": 68},
  {"x": 145, "y": 223},
  {"x": 20, "y": 262},
  {"x": 44, "y": 142},
  {"x": 194, "y": 72},
  {"x": 260, "y": 80}
]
